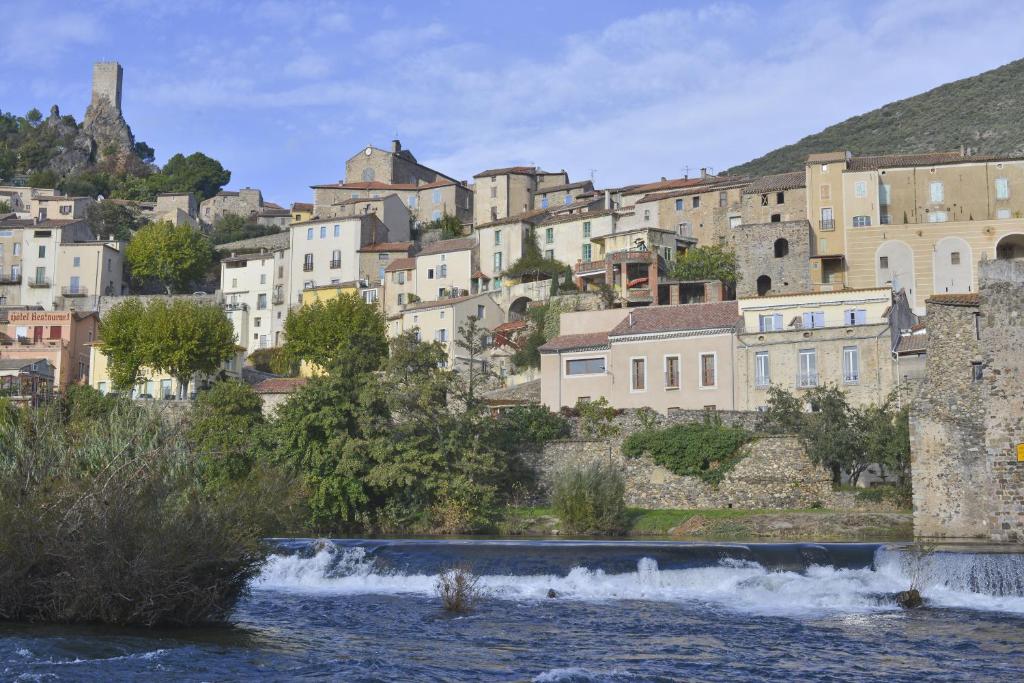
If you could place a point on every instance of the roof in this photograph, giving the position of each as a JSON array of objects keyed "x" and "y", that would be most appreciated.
[
  {"x": 574, "y": 342},
  {"x": 566, "y": 186},
  {"x": 445, "y": 246},
  {"x": 777, "y": 183},
  {"x": 655, "y": 319},
  {"x": 826, "y": 157},
  {"x": 852, "y": 290},
  {"x": 912, "y": 343},
  {"x": 401, "y": 264},
  {"x": 568, "y": 218},
  {"x": 387, "y": 246},
  {"x": 524, "y": 217},
  {"x": 676, "y": 184},
  {"x": 962, "y": 299},
  {"x": 302, "y": 206},
  {"x": 511, "y": 326},
  {"x": 361, "y": 200},
  {"x": 699, "y": 189},
  {"x": 280, "y": 385},
  {"x": 522, "y": 394},
  {"x": 18, "y": 363},
  {"x": 442, "y": 302},
  {"x": 870, "y": 163},
  {"x": 510, "y": 170},
  {"x": 272, "y": 242}
]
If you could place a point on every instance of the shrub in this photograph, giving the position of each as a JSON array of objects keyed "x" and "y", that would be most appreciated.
[
  {"x": 458, "y": 588},
  {"x": 115, "y": 524},
  {"x": 531, "y": 425},
  {"x": 590, "y": 499},
  {"x": 597, "y": 418},
  {"x": 706, "y": 450}
]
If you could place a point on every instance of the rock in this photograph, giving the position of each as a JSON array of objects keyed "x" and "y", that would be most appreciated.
[
  {"x": 552, "y": 593},
  {"x": 909, "y": 599}
]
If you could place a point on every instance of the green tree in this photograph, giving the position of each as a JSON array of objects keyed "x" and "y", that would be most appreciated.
[
  {"x": 533, "y": 265},
  {"x": 173, "y": 255},
  {"x": 107, "y": 218},
  {"x": 183, "y": 338},
  {"x": 5, "y": 206},
  {"x": 709, "y": 262},
  {"x": 324, "y": 333},
  {"x": 86, "y": 184},
  {"x": 46, "y": 179},
  {"x": 121, "y": 332},
  {"x": 449, "y": 226},
  {"x": 231, "y": 228},
  {"x": 196, "y": 173},
  {"x": 224, "y": 426},
  {"x": 472, "y": 339}
]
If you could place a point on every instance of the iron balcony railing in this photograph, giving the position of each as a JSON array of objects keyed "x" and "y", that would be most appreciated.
[
  {"x": 335, "y": 264},
  {"x": 278, "y": 298},
  {"x": 72, "y": 291},
  {"x": 806, "y": 380},
  {"x": 307, "y": 267},
  {"x": 828, "y": 224},
  {"x": 40, "y": 282},
  {"x": 10, "y": 279},
  {"x": 851, "y": 377}
]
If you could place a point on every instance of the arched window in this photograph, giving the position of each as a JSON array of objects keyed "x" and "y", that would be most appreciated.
[
  {"x": 764, "y": 285},
  {"x": 781, "y": 248}
]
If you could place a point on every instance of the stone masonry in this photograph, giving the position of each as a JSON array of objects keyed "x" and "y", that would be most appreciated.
[{"x": 754, "y": 245}]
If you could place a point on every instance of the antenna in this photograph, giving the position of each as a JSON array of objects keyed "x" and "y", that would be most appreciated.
[
  {"x": 686, "y": 171},
  {"x": 593, "y": 174}
]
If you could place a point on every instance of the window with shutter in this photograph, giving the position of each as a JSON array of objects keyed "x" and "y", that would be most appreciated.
[
  {"x": 638, "y": 374},
  {"x": 707, "y": 369},
  {"x": 671, "y": 372}
]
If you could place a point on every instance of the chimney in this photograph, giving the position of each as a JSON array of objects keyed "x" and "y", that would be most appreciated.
[
  {"x": 607, "y": 200},
  {"x": 663, "y": 178},
  {"x": 396, "y": 146},
  {"x": 703, "y": 173},
  {"x": 630, "y": 323}
]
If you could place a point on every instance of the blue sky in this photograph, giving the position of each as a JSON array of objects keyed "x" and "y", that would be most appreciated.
[{"x": 282, "y": 93}]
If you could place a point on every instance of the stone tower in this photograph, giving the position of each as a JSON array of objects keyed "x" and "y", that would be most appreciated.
[{"x": 106, "y": 83}]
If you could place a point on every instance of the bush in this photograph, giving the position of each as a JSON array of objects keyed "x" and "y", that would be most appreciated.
[
  {"x": 458, "y": 588},
  {"x": 531, "y": 425},
  {"x": 706, "y": 450},
  {"x": 590, "y": 499},
  {"x": 597, "y": 418},
  {"x": 116, "y": 525}
]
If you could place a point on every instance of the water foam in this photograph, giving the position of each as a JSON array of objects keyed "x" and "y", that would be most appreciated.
[{"x": 732, "y": 584}]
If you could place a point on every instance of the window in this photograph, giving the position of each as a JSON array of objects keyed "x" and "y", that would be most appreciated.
[
  {"x": 954, "y": 258},
  {"x": 549, "y": 236},
  {"x": 807, "y": 372},
  {"x": 544, "y": 202},
  {"x": 695, "y": 202},
  {"x": 400, "y": 277},
  {"x": 723, "y": 199},
  {"x": 770, "y": 323},
  {"x": 781, "y": 248},
  {"x": 263, "y": 278},
  {"x": 370, "y": 296},
  {"x": 442, "y": 271},
  {"x": 102, "y": 387},
  {"x": 75, "y": 284},
  {"x": 441, "y": 335},
  {"x": 264, "y": 341},
  {"x": 256, "y": 321},
  {"x": 42, "y": 251},
  {"x": 401, "y": 299},
  {"x": 671, "y": 372},
  {"x": 1002, "y": 188},
  {"x": 323, "y": 232},
  {"x": 762, "y": 369},
  {"x": 708, "y": 370},
  {"x": 855, "y": 316},
  {"x": 776, "y": 218},
  {"x": 435, "y": 215},
  {"x": 638, "y": 374},
  {"x": 309, "y": 233},
  {"x": 937, "y": 217},
  {"x": 336, "y": 258},
  {"x": 261, "y": 301},
  {"x": 430, "y": 273},
  {"x": 480, "y": 312},
  {"x": 1000, "y": 213},
  {"x": 17, "y": 249},
  {"x": 860, "y": 189},
  {"x": 936, "y": 191},
  {"x": 780, "y": 198},
  {"x": 825, "y": 192},
  {"x": 584, "y": 366},
  {"x": 764, "y": 200},
  {"x": 497, "y": 238},
  {"x": 337, "y": 231},
  {"x": 436, "y": 196},
  {"x": 827, "y": 222},
  {"x": 549, "y": 254},
  {"x": 497, "y": 261},
  {"x": 647, "y": 214},
  {"x": 851, "y": 364},
  {"x": 976, "y": 372},
  {"x": 307, "y": 262},
  {"x": 76, "y": 261},
  {"x": 884, "y": 193},
  {"x": 679, "y": 205},
  {"x": 885, "y": 219},
  {"x": 814, "y": 319},
  {"x": 586, "y": 253},
  {"x": 586, "y": 230},
  {"x": 567, "y": 200},
  {"x": 883, "y": 262},
  {"x": 862, "y": 221},
  {"x": 494, "y": 193},
  {"x": 412, "y": 201}
]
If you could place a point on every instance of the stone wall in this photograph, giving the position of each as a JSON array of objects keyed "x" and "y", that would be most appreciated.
[
  {"x": 754, "y": 245},
  {"x": 630, "y": 421},
  {"x": 775, "y": 474}
]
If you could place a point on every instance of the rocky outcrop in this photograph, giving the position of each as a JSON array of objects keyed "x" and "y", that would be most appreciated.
[
  {"x": 75, "y": 150},
  {"x": 111, "y": 137}
]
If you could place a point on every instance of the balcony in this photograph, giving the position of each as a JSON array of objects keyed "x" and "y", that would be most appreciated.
[
  {"x": 827, "y": 224},
  {"x": 638, "y": 295},
  {"x": 10, "y": 279},
  {"x": 278, "y": 298},
  {"x": 40, "y": 282},
  {"x": 589, "y": 267},
  {"x": 73, "y": 291},
  {"x": 806, "y": 380},
  {"x": 335, "y": 264},
  {"x": 307, "y": 267},
  {"x": 235, "y": 306}
]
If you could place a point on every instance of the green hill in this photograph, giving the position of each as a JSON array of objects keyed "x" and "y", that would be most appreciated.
[{"x": 983, "y": 112}]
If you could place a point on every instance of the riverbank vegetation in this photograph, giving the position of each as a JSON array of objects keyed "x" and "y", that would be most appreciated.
[
  {"x": 707, "y": 450},
  {"x": 590, "y": 498}
]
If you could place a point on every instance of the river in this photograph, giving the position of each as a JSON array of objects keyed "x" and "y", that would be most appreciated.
[{"x": 622, "y": 611}]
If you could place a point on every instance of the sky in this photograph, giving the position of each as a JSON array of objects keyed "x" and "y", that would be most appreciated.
[{"x": 283, "y": 93}]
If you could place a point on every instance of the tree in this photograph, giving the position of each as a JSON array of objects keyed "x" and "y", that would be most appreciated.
[
  {"x": 46, "y": 179},
  {"x": 472, "y": 340},
  {"x": 709, "y": 262},
  {"x": 224, "y": 426},
  {"x": 107, "y": 218},
  {"x": 145, "y": 152},
  {"x": 183, "y": 338},
  {"x": 121, "y": 331},
  {"x": 449, "y": 225},
  {"x": 196, "y": 173},
  {"x": 173, "y": 255},
  {"x": 5, "y": 206},
  {"x": 533, "y": 264},
  {"x": 323, "y": 333},
  {"x": 231, "y": 228}
]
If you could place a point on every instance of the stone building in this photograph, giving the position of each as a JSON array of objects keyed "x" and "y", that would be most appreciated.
[
  {"x": 967, "y": 431},
  {"x": 704, "y": 212},
  {"x": 426, "y": 201},
  {"x": 499, "y": 193},
  {"x": 772, "y": 258},
  {"x": 394, "y": 166},
  {"x": 246, "y": 202},
  {"x": 775, "y": 199}
]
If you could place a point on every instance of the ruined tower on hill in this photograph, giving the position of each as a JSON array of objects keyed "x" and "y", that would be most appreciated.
[
  {"x": 106, "y": 83},
  {"x": 113, "y": 142}
]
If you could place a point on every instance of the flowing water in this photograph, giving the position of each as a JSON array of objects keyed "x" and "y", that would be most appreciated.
[{"x": 623, "y": 611}]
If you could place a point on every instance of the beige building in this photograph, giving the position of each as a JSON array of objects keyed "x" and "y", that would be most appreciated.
[
  {"x": 388, "y": 208},
  {"x": 374, "y": 259},
  {"x": 805, "y": 340},
  {"x": 390, "y": 166},
  {"x": 87, "y": 270},
  {"x": 499, "y": 193},
  {"x": 158, "y": 385},
  {"x": 703, "y": 213},
  {"x": 325, "y": 251},
  {"x": 255, "y": 288},
  {"x": 661, "y": 357},
  {"x": 445, "y": 268},
  {"x": 554, "y": 196},
  {"x": 399, "y": 286},
  {"x": 426, "y": 201},
  {"x": 20, "y": 198},
  {"x": 776, "y": 198},
  {"x": 60, "y": 207},
  {"x": 440, "y": 321}
]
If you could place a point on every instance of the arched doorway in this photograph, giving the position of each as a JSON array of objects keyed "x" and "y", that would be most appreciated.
[
  {"x": 764, "y": 285},
  {"x": 1010, "y": 247},
  {"x": 952, "y": 266},
  {"x": 517, "y": 311}
]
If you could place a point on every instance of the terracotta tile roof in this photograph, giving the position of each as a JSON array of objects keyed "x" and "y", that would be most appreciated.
[
  {"x": 853, "y": 290},
  {"x": 480, "y": 275},
  {"x": 569, "y": 342},
  {"x": 361, "y": 200},
  {"x": 531, "y": 216},
  {"x": 566, "y": 186},
  {"x": 701, "y": 189},
  {"x": 387, "y": 246},
  {"x": 442, "y": 302},
  {"x": 912, "y": 343},
  {"x": 510, "y": 170},
  {"x": 582, "y": 216},
  {"x": 445, "y": 246},
  {"x": 777, "y": 183},
  {"x": 280, "y": 385},
  {"x": 272, "y": 205},
  {"x": 654, "y": 319},
  {"x": 401, "y": 264},
  {"x": 661, "y": 185},
  {"x": 962, "y": 299},
  {"x": 870, "y": 163},
  {"x": 510, "y": 326},
  {"x": 301, "y": 206}
]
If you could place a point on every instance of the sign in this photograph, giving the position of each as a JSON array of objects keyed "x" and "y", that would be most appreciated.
[
  {"x": 39, "y": 316},
  {"x": 1020, "y": 452}
]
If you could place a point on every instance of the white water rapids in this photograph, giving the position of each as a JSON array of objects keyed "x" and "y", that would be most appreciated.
[{"x": 970, "y": 581}]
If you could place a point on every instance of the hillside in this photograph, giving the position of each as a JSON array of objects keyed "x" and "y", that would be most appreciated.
[{"x": 983, "y": 112}]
